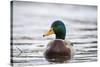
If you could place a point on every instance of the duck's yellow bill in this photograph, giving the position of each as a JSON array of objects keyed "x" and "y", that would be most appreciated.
[{"x": 49, "y": 32}]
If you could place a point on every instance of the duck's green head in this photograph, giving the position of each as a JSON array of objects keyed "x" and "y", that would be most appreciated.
[{"x": 57, "y": 28}]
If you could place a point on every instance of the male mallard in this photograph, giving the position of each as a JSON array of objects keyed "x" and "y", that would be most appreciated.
[{"x": 58, "y": 50}]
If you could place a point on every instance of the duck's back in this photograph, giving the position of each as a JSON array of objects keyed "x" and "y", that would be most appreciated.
[{"x": 57, "y": 51}]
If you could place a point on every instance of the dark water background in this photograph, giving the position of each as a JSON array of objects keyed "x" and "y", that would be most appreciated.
[{"x": 31, "y": 20}]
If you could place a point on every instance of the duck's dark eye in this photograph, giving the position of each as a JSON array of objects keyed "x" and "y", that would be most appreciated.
[{"x": 50, "y": 30}]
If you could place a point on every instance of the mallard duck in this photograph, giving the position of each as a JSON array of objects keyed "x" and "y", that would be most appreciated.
[{"x": 58, "y": 50}]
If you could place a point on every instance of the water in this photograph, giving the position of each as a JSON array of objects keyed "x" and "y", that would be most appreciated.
[{"x": 29, "y": 24}]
